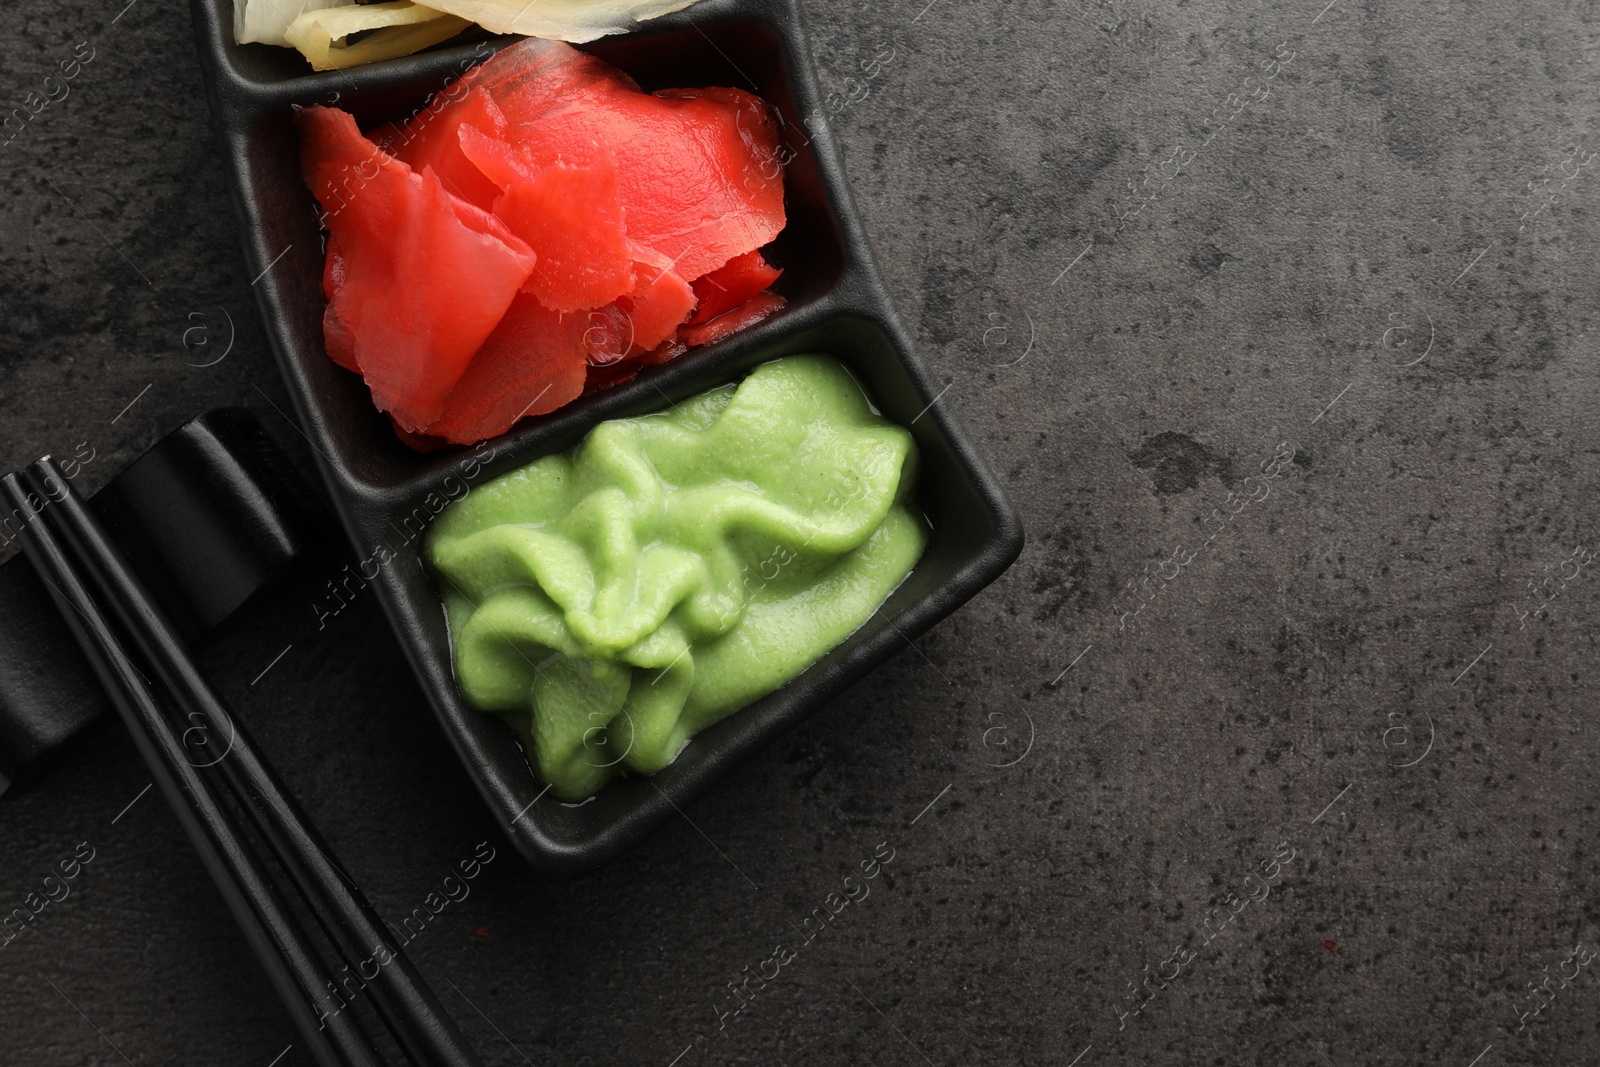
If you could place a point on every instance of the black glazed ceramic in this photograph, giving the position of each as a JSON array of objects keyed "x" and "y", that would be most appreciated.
[
  {"x": 385, "y": 492},
  {"x": 211, "y": 515}
]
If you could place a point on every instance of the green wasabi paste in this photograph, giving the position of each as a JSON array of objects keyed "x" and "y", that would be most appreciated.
[{"x": 612, "y": 601}]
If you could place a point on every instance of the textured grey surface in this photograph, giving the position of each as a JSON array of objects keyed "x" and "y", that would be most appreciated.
[{"x": 1375, "y": 284}]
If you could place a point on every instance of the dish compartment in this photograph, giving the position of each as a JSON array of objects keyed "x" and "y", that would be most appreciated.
[
  {"x": 974, "y": 537},
  {"x": 285, "y": 241}
]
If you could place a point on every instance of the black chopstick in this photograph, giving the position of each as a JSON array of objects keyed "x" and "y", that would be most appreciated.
[
  {"x": 301, "y": 980},
  {"x": 420, "y": 1025}
]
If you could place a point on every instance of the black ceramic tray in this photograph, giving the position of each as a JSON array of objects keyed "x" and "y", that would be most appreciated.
[{"x": 836, "y": 304}]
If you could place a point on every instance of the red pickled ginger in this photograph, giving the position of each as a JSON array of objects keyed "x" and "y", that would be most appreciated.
[
  {"x": 410, "y": 323},
  {"x": 543, "y": 228}
]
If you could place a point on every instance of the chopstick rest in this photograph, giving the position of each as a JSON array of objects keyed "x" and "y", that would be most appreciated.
[
  {"x": 302, "y": 982},
  {"x": 211, "y": 514},
  {"x": 420, "y": 1025}
]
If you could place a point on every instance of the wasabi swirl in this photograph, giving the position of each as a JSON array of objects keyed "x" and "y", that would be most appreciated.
[{"x": 612, "y": 601}]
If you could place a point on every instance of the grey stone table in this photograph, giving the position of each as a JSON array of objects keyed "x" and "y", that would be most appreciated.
[{"x": 1276, "y": 746}]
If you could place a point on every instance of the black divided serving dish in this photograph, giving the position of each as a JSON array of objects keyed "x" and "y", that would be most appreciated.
[{"x": 385, "y": 492}]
